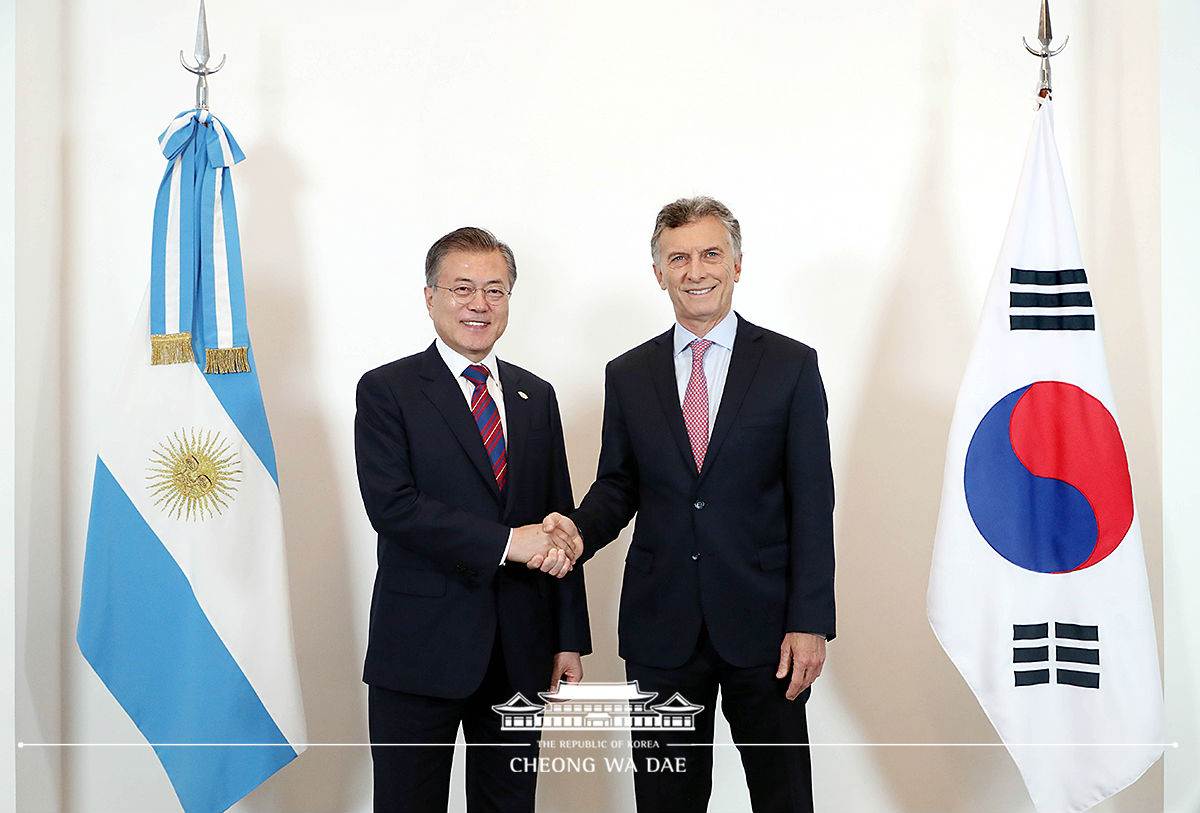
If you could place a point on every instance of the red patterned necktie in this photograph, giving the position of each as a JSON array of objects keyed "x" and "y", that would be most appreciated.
[
  {"x": 695, "y": 403},
  {"x": 487, "y": 418}
]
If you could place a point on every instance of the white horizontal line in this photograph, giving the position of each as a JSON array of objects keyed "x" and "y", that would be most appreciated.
[{"x": 520, "y": 745}]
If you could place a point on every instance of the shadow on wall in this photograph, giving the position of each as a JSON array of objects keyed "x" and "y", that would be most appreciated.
[
  {"x": 281, "y": 319},
  {"x": 1109, "y": 170},
  {"x": 887, "y": 664},
  {"x": 623, "y": 320},
  {"x": 44, "y": 557}
]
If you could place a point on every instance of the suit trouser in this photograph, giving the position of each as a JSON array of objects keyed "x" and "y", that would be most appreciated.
[
  {"x": 412, "y": 748},
  {"x": 771, "y": 733}
]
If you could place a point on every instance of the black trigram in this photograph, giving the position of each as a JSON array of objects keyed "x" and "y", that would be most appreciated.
[
  {"x": 1060, "y": 301},
  {"x": 1076, "y": 650}
]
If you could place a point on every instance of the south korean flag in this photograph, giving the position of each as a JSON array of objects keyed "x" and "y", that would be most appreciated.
[{"x": 1038, "y": 588}]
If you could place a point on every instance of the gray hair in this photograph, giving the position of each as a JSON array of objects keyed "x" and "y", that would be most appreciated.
[
  {"x": 472, "y": 240},
  {"x": 689, "y": 210}
]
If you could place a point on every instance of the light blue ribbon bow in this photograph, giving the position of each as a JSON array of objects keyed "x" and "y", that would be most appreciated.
[{"x": 196, "y": 285}]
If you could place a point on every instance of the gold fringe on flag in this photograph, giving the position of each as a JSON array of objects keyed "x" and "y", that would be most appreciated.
[
  {"x": 171, "y": 348},
  {"x": 226, "y": 360}
]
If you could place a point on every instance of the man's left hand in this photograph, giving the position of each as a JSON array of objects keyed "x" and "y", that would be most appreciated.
[
  {"x": 803, "y": 654},
  {"x": 568, "y": 666}
]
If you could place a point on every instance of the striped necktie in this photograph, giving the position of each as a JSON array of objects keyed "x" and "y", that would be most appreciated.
[
  {"x": 695, "y": 403},
  {"x": 487, "y": 418}
]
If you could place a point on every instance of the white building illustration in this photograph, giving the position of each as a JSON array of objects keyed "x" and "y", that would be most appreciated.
[{"x": 622, "y": 706}]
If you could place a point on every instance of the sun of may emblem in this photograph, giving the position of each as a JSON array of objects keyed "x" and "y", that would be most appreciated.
[{"x": 193, "y": 474}]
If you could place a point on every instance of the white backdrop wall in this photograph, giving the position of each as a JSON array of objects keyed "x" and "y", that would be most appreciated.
[
  {"x": 8, "y": 739},
  {"x": 871, "y": 152},
  {"x": 1178, "y": 21},
  {"x": 41, "y": 464}
]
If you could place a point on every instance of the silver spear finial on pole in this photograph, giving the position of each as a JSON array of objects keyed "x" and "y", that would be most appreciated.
[
  {"x": 1045, "y": 35},
  {"x": 202, "y": 54}
]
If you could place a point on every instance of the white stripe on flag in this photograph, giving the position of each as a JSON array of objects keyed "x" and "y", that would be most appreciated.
[
  {"x": 1071, "y": 288},
  {"x": 171, "y": 285},
  {"x": 177, "y": 124},
  {"x": 226, "y": 150},
  {"x": 234, "y": 561},
  {"x": 224, "y": 313}
]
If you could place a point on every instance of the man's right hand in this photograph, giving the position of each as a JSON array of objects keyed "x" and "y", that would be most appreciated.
[
  {"x": 564, "y": 532},
  {"x": 538, "y": 550}
]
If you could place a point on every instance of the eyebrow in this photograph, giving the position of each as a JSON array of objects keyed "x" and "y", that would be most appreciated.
[
  {"x": 477, "y": 285},
  {"x": 679, "y": 251}
]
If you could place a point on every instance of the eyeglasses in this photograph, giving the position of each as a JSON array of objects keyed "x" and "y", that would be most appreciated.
[{"x": 466, "y": 293}]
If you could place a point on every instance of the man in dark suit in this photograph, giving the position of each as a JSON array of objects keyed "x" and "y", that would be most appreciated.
[
  {"x": 715, "y": 436},
  {"x": 459, "y": 455}
]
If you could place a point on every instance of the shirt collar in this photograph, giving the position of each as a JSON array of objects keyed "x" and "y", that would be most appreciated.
[
  {"x": 723, "y": 334},
  {"x": 458, "y": 362}
]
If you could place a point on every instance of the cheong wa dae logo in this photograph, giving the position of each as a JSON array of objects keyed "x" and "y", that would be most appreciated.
[{"x": 584, "y": 706}]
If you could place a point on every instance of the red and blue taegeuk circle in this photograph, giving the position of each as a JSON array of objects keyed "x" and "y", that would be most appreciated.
[{"x": 1047, "y": 479}]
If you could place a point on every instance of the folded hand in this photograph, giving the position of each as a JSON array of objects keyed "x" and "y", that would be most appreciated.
[{"x": 538, "y": 550}]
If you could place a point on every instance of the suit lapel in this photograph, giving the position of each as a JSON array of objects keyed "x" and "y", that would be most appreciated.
[
  {"x": 747, "y": 353},
  {"x": 443, "y": 391},
  {"x": 517, "y": 416},
  {"x": 662, "y": 371}
]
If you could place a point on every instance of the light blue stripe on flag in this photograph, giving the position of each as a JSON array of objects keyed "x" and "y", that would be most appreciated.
[
  {"x": 233, "y": 249},
  {"x": 158, "y": 255},
  {"x": 189, "y": 238},
  {"x": 172, "y": 137},
  {"x": 242, "y": 398},
  {"x": 142, "y": 630},
  {"x": 207, "y": 304}
]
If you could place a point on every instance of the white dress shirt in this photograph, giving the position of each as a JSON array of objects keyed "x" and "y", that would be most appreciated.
[
  {"x": 716, "y": 361},
  {"x": 457, "y": 363}
]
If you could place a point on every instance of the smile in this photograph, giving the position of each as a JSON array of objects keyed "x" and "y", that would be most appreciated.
[
  {"x": 475, "y": 324},
  {"x": 701, "y": 291}
]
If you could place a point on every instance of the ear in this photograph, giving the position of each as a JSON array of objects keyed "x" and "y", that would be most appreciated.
[
  {"x": 658, "y": 276},
  {"x": 429, "y": 300},
  {"x": 737, "y": 269}
]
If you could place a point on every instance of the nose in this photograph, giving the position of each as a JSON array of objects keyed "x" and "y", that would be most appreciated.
[{"x": 478, "y": 301}]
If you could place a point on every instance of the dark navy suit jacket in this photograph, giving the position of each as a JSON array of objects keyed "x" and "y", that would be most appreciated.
[
  {"x": 441, "y": 595},
  {"x": 746, "y": 546}
]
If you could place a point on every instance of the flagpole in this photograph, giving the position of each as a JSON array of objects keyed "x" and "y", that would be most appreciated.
[{"x": 1045, "y": 35}]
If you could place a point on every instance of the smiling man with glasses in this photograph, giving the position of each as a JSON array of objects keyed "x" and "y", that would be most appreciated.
[{"x": 459, "y": 456}]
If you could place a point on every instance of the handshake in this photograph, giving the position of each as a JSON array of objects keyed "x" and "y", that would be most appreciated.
[{"x": 552, "y": 547}]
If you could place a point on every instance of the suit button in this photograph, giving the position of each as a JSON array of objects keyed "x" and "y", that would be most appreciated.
[
  {"x": 698, "y": 504},
  {"x": 695, "y": 557}
]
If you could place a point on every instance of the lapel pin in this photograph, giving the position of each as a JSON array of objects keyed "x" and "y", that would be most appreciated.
[{"x": 523, "y": 395}]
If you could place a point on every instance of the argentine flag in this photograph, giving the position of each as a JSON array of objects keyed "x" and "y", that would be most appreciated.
[
  {"x": 184, "y": 612},
  {"x": 1038, "y": 588}
]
